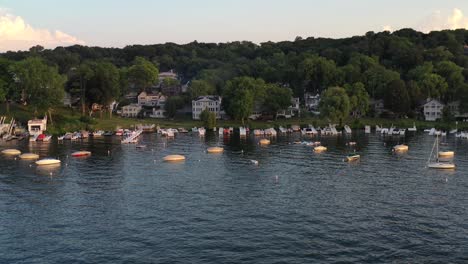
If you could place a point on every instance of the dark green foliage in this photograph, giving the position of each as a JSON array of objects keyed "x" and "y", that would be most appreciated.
[
  {"x": 173, "y": 104},
  {"x": 208, "y": 118}
]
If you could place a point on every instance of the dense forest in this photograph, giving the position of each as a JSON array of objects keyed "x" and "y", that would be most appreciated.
[{"x": 402, "y": 68}]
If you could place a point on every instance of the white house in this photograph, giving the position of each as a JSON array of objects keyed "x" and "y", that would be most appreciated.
[
  {"x": 293, "y": 110},
  {"x": 211, "y": 103},
  {"x": 170, "y": 74},
  {"x": 131, "y": 110},
  {"x": 158, "y": 113},
  {"x": 151, "y": 99},
  {"x": 37, "y": 126},
  {"x": 433, "y": 110},
  {"x": 311, "y": 101}
]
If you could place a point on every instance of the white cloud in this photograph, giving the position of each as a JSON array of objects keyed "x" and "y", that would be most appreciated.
[
  {"x": 17, "y": 34},
  {"x": 439, "y": 21}
]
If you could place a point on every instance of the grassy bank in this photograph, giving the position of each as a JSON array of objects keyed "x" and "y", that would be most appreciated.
[{"x": 66, "y": 119}]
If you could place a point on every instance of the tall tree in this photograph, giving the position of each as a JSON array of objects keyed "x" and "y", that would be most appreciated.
[
  {"x": 104, "y": 86},
  {"x": 358, "y": 98},
  {"x": 143, "y": 73},
  {"x": 201, "y": 87},
  {"x": 41, "y": 85},
  {"x": 240, "y": 95},
  {"x": 277, "y": 98},
  {"x": 397, "y": 98},
  {"x": 318, "y": 73},
  {"x": 334, "y": 104}
]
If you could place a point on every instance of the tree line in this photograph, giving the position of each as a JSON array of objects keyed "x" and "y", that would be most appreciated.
[{"x": 402, "y": 68}]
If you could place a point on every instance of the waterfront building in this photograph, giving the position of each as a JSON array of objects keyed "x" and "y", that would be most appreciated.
[
  {"x": 211, "y": 103},
  {"x": 131, "y": 110},
  {"x": 151, "y": 99},
  {"x": 433, "y": 110}
]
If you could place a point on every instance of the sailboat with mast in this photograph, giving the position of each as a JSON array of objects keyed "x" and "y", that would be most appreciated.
[{"x": 436, "y": 163}]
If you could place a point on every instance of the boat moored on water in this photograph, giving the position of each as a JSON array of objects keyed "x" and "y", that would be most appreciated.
[
  {"x": 11, "y": 152},
  {"x": 174, "y": 158},
  {"x": 352, "y": 157},
  {"x": 201, "y": 131},
  {"x": 47, "y": 161},
  {"x": 82, "y": 153},
  {"x": 401, "y": 148},
  {"x": 29, "y": 156},
  {"x": 439, "y": 162},
  {"x": 215, "y": 150},
  {"x": 320, "y": 149}
]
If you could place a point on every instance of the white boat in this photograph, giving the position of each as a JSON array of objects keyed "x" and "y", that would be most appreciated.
[
  {"x": 453, "y": 131},
  {"x": 438, "y": 164},
  {"x": 132, "y": 137},
  {"x": 384, "y": 131},
  {"x": 309, "y": 131},
  {"x": 348, "y": 129},
  {"x": 47, "y": 138},
  {"x": 258, "y": 132},
  {"x": 270, "y": 132},
  {"x": 413, "y": 129},
  {"x": 98, "y": 133},
  {"x": 283, "y": 130},
  {"x": 33, "y": 137},
  {"x": 220, "y": 131},
  {"x": 378, "y": 128},
  {"x": 13, "y": 152},
  {"x": 295, "y": 128},
  {"x": 242, "y": 131},
  {"x": 201, "y": 131},
  {"x": 432, "y": 132},
  {"x": 47, "y": 161},
  {"x": 367, "y": 129}
]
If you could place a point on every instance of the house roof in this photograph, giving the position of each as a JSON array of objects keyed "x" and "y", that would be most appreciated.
[{"x": 208, "y": 98}]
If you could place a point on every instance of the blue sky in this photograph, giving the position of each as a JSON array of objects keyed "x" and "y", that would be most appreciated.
[{"x": 120, "y": 23}]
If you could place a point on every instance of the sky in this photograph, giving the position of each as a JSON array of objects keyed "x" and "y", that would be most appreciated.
[{"x": 116, "y": 23}]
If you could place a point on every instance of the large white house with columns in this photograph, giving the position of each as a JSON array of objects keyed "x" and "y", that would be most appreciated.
[{"x": 211, "y": 103}]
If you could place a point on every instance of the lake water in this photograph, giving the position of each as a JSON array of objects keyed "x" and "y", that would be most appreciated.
[{"x": 124, "y": 205}]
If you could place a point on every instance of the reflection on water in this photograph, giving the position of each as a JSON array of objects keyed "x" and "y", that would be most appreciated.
[{"x": 124, "y": 204}]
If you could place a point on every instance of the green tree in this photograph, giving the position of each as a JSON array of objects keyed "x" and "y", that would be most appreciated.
[
  {"x": 208, "y": 118},
  {"x": 104, "y": 86},
  {"x": 41, "y": 85},
  {"x": 317, "y": 73},
  {"x": 377, "y": 79},
  {"x": 240, "y": 94},
  {"x": 397, "y": 98},
  {"x": 358, "y": 98},
  {"x": 173, "y": 104},
  {"x": 6, "y": 81},
  {"x": 143, "y": 73},
  {"x": 334, "y": 104},
  {"x": 201, "y": 87},
  {"x": 277, "y": 98},
  {"x": 453, "y": 74}
]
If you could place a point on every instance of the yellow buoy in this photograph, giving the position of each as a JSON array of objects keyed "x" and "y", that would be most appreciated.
[
  {"x": 11, "y": 152},
  {"x": 29, "y": 156},
  {"x": 264, "y": 141},
  {"x": 215, "y": 150},
  {"x": 400, "y": 148},
  {"x": 320, "y": 149},
  {"x": 174, "y": 158},
  {"x": 446, "y": 154}
]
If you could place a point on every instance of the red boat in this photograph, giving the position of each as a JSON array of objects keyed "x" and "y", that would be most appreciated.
[
  {"x": 81, "y": 153},
  {"x": 41, "y": 137}
]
